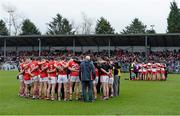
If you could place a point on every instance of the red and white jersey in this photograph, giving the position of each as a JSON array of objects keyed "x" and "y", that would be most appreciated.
[
  {"x": 144, "y": 69},
  {"x": 43, "y": 70},
  {"x": 51, "y": 67},
  {"x": 162, "y": 69},
  {"x": 64, "y": 70},
  {"x": 75, "y": 66},
  {"x": 21, "y": 67},
  {"x": 140, "y": 68},
  {"x": 111, "y": 73},
  {"x": 149, "y": 69},
  {"x": 154, "y": 68},
  {"x": 97, "y": 72},
  {"x": 32, "y": 66},
  {"x": 158, "y": 67},
  {"x": 26, "y": 75}
]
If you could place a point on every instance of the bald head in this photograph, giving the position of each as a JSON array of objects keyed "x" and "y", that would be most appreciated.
[{"x": 87, "y": 58}]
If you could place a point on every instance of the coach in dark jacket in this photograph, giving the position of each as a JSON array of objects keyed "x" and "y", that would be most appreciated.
[{"x": 87, "y": 75}]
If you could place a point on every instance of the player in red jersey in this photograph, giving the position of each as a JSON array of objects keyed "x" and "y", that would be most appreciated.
[
  {"x": 104, "y": 79},
  {"x": 158, "y": 71},
  {"x": 20, "y": 77},
  {"x": 74, "y": 78},
  {"x": 95, "y": 81},
  {"x": 110, "y": 82},
  {"x": 149, "y": 71},
  {"x": 34, "y": 76},
  {"x": 144, "y": 71},
  {"x": 154, "y": 71},
  {"x": 43, "y": 78},
  {"x": 27, "y": 77},
  {"x": 61, "y": 65},
  {"x": 52, "y": 79},
  {"x": 163, "y": 72}
]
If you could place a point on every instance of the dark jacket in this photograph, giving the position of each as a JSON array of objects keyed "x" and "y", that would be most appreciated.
[{"x": 87, "y": 71}]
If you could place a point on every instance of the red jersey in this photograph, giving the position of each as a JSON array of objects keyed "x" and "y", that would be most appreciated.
[
  {"x": 111, "y": 73},
  {"x": 43, "y": 70},
  {"x": 50, "y": 68},
  {"x": 26, "y": 75},
  {"x": 75, "y": 66},
  {"x": 97, "y": 72},
  {"x": 33, "y": 65},
  {"x": 22, "y": 67},
  {"x": 64, "y": 71}
]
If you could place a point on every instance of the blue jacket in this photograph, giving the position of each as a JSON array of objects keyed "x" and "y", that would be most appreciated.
[{"x": 87, "y": 71}]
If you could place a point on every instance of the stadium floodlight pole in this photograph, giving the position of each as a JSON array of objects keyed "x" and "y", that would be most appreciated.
[
  {"x": 39, "y": 40},
  {"x": 10, "y": 22},
  {"x": 74, "y": 44},
  {"x": 146, "y": 44},
  {"x": 109, "y": 47},
  {"x": 4, "y": 47}
]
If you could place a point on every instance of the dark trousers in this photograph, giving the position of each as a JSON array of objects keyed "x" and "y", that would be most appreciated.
[
  {"x": 116, "y": 85},
  {"x": 87, "y": 85}
]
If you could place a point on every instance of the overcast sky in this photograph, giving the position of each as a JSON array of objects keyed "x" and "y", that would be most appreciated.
[{"x": 119, "y": 13}]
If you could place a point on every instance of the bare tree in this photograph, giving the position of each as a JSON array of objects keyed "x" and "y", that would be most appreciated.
[
  {"x": 87, "y": 24},
  {"x": 15, "y": 19},
  {"x": 76, "y": 28}
]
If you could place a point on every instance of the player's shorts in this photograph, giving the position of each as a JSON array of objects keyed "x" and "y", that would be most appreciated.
[
  {"x": 144, "y": 72},
  {"x": 111, "y": 81},
  {"x": 62, "y": 79},
  {"x": 74, "y": 79},
  {"x": 52, "y": 80},
  {"x": 21, "y": 78},
  {"x": 27, "y": 82},
  {"x": 158, "y": 70},
  {"x": 45, "y": 79},
  {"x": 95, "y": 81},
  {"x": 149, "y": 70},
  {"x": 140, "y": 71},
  {"x": 35, "y": 79},
  {"x": 154, "y": 71},
  {"x": 104, "y": 79},
  {"x": 163, "y": 71}
]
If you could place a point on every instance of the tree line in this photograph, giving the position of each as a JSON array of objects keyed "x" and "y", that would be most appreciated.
[{"x": 61, "y": 25}]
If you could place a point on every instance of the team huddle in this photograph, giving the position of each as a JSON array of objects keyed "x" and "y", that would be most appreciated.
[
  {"x": 43, "y": 78},
  {"x": 149, "y": 71}
]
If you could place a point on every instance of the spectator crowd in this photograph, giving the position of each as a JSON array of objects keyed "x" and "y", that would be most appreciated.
[{"x": 170, "y": 58}]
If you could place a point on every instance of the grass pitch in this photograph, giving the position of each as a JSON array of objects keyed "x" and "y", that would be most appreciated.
[{"x": 137, "y": 97}]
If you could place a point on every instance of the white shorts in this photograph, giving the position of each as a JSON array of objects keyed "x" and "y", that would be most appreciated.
[
  {"x": 111, "y": 81},
  {"x": 74, "y": 79},
  {"x": 27, "y": 82},
  {"x": 45, "y": 79},
  {"x": 154, "y": 70},
  {"x": 21, "y": 78},
  {"x": 52, "y": 80},
  {"x": 62, "y": 79},
  {"x": 95, "y": 81},
  {"x": 35, "y": 79},
  {"x": 104, "y": 79}
]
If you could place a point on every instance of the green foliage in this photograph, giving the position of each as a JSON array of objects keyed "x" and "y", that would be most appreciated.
[
  {"x": 60, "y": 25},
  {"x": 174, "y": 19},
  {"x": 137, "y": 98},
  {"x": 3, "y": 28},
  {"x": 104, "y": 27},
  {"x": 136, "y": 27},
  {"x": 28, "y": 28}
]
